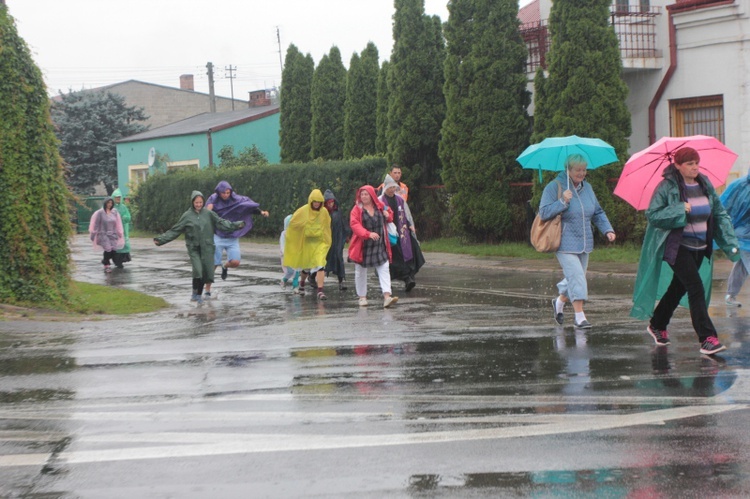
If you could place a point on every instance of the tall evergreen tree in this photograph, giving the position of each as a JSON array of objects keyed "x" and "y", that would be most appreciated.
[
  {"x": 381, "y": 120},
  {"x": 584, "y": 93},
  {"x": 34, "y": 207},
  {"x": 295, "y": 107},
  {"x": 416, "y": 104},
  {"x": 360, "y": 111},
  {"x": 88, "y": 124},
  {"x": 486, "y": 124},
  {"x": 328, "y": 98}
]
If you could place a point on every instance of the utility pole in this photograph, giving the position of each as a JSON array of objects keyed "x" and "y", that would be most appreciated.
[
  {"x": 278, "y": 39},
  {"x": 211, "y": 93},
  {"x": 231, "y": 80}
]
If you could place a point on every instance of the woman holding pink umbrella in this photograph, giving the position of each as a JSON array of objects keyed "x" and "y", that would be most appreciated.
[{"x": 684, "y": 217}]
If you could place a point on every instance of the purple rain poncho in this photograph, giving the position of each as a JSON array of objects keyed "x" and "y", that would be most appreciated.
[{"x": 235, "y": 209}]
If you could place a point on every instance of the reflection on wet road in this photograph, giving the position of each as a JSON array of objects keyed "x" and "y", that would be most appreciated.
[{"x": 464, "y": 388}]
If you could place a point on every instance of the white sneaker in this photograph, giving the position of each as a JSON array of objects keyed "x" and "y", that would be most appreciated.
[
  {"x": 731, "y": 301},
  {"x": 389, "y": 301},
  {"x": 362, "y": 301}
]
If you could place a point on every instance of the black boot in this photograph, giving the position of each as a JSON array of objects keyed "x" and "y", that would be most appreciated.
[{"x": 410, "y": 283}]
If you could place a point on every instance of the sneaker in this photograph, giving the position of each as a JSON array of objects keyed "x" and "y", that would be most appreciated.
[
  {"x": 224, "y": 272},
  {"x": 584, "y": 324},
  {"x": 711, "y": 346},
  {"x": 195, "y": 297},
  {"x": 362, "y": 301},
  {"x": 107, "y": 268},
  {"x": 558, "y": 317},
  {"x": 389, "y": 301},
  {"x": 322, "y": 296},
  {"x": 731, "y": 301},
  {"x": 660, "y": 336},
  {"x": 206, "y": 295}
]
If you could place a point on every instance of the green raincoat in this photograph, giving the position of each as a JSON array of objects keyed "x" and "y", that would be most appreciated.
[
  {"x": 124, "y": 212},
  {"x": 198, "y": 227},
  {"x": 665, "y": 213}
]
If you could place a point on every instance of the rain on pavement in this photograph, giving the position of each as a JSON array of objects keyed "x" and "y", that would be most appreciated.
[{"x": 464, "y": 388}]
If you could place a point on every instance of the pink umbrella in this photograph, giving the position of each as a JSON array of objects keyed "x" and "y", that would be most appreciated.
[{"x": 643, "y": 171}]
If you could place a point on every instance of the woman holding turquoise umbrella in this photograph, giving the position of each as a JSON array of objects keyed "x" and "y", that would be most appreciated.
[{"x": 570, "y": 196}]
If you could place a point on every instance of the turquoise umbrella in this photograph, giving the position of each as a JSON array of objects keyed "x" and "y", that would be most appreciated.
[{"x": 551, "y": 153}]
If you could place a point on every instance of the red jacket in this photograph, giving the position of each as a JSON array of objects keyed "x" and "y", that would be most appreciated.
[{"x": 360, "y": 234}]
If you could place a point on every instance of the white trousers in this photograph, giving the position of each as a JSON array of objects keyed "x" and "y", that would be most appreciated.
[{"x": 360, "y": 278}]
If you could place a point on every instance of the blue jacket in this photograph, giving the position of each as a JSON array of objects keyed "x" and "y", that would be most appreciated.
[
  {"x": 577, "y": 234},
  {"x": 736, "y": 200}
]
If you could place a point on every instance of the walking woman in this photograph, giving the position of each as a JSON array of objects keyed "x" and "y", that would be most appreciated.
[
  {"x": 684, "y": 217},
  {"x": 123, "y": 254},
  {"x": 579, "y": 208},
  {"x": 198, "y": 225},
  {"x": 105, "y": 231},
  {"x": 369, "y": 246}
]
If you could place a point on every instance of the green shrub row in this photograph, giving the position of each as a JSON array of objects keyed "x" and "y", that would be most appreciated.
[{"x": 159, "y": 201}]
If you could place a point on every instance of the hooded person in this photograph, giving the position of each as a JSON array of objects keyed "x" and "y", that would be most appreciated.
[
  {"x": 308, "y": 239},
  {"x": 233, "y": 207},
  {"x": 198, "y": 225},
  {"x": 340, "y": 232},
  {"x": 122, "y": 255},
  {"x": 736, "y": 200},
  {"x": 370, "y": 245},
  {"x": 105, "y": 231},
  {"x": 407, "y": 255}
]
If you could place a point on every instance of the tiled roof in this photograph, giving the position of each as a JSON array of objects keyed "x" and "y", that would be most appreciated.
[
  {"x": 530, "y": 13},
  {"x": 202, "y": 123}
]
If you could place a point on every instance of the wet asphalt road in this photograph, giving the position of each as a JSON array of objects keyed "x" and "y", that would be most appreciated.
[{"x": 465, "y": 388}]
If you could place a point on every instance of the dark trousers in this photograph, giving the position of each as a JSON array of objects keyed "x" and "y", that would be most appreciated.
[
  {"x": 108, "y": 255},
  {"x": 686, "y": 280}
]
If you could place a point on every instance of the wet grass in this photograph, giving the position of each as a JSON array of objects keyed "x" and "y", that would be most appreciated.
[
  {"x": 621, "y": 253},
  {"x": 89, "y": 298}
]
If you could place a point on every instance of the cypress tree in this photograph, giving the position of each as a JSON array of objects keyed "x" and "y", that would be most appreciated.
[
  {"x": 360, "y": 111},
  {"x": 34, "y": 207},
  {"x": 295, "y": 107},
  {"x": 486, "y": 124},
  {"x": 584, "y": 93},
  {"x": 381, "y": 121},
  {"x": 328, "y": 98},
  {"x": 416, "y": 104}
]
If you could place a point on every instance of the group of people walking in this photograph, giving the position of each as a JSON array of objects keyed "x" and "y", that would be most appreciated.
[{"x": 685, "y": 218}]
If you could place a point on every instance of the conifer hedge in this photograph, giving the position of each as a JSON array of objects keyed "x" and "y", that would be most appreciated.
[{"x": 34, "y": 216}]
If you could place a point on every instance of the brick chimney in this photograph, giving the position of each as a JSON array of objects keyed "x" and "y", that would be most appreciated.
[{"x": 186, "y": 83}]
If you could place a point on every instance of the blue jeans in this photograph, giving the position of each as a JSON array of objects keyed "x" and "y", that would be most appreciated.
[
  {"x": 738, "y": 274},
  {"x": 574, "y": 285},
  {"x": 229, "y": 244}
]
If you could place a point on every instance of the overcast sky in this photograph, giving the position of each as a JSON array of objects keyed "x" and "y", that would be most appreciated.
[{"x": 90, "y": 43}]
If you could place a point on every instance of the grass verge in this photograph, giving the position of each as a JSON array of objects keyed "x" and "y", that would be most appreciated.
[{"x": 89, "y": 298}]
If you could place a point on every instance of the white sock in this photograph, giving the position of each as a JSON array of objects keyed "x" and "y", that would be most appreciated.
[
  {"x": 580, "y": 317},
  {"x": 559, "y": 304}
]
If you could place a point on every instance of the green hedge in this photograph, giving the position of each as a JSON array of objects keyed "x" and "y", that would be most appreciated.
[{"x": 159, "y": 201}]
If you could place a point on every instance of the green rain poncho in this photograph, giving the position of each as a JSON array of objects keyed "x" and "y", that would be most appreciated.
[
  {"x": 198, "y": 227},
  {"x": 665, "y": 214},
  {"x": 124, "y": 212}
]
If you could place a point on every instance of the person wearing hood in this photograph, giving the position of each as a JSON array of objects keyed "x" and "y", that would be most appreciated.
[
  {"x": 289, "y": 272},
  {"x": 105, "y": 231},
  {"x": 370, "y": 245},
  {"x": 308, "y": 239},
  {"x": 340, "y": 232},
  {"x": 198, "y": 225},
  {"x": 402, "y": 189},
  {"x": 579, "y": 208},
  {"x": 407, "y": 255},
  {"x": 684, "y": 216},
  {"x": 122, "y": 255},
  {"x": 230, "y": 206},
  {"x": 736, "y": 200}
]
